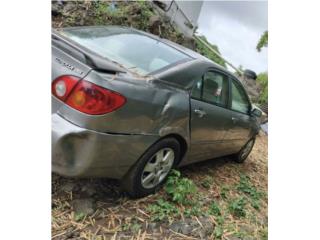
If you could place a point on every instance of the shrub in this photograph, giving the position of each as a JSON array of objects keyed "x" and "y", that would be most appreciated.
[
  {"x": 180, "y": 190},
  {"x": 237, "y": 207},
  {"x": 162, "y": 210}
]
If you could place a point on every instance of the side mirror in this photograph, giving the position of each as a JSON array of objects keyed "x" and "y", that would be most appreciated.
[{"x": 256, "y": 112}]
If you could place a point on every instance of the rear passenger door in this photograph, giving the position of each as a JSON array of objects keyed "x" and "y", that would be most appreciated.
[{"x": 210, "y": 116}]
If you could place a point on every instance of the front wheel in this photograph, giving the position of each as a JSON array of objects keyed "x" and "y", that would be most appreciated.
[
  {"x": 148, "y": 174},
  {"x": 242, "y": 155}
]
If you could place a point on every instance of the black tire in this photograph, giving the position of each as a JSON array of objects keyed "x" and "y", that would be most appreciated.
[
  {"x": 250, "y": 74},
  {"x": 240, "y": 157},
  {"x": 132, "y": 184}
]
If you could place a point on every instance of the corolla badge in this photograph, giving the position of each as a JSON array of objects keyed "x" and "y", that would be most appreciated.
[{"x": 69, "y": 66}]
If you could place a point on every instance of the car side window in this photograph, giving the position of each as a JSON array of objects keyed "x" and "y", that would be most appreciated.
[
  {"x": 211, "y": 88},
  {"x": 239, "y": 101},
  {"x": 215, "y": 88}
]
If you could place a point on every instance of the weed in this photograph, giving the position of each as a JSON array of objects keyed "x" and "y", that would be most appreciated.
[
  {"x": 240, "y": 234},
  {"x": 214, "y": 209},
  {"x": 180, "y": 190},
  {"x": 162, "y": 210},
  {"x": 218, "y": 232},
  {"x": 133, "y": 226},
  {"x": 207, "y": 182},
  {"x": 237, "y": 207},
  {"x": 220, "y": 220},
  {"x": 255, "y": 204},
  {"x": 193, "y": 211},
  {"x": 246, "y": 187},
  {"x": 79, "y": 216},
  {"x": 224, "y": 191},
  {"x": 264, "y": 234}
]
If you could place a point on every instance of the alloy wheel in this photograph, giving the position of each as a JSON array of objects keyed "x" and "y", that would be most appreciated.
[{"x": 157, "y": 168}]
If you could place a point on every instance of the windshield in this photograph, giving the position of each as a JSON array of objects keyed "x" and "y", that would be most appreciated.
[{"x": 134, "y": 51}]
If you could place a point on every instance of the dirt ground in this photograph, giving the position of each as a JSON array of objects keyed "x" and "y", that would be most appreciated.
[{"x": 96, "y": 209}]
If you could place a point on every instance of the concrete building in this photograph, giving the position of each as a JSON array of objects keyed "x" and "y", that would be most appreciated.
[{"x": 183, "y": 14}]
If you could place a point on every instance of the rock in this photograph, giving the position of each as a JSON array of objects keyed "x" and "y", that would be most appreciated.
[
  {"x": 181, "y": 227},
  {"x": 189, "y": 43},
  {"x": 175, "y": 227},
  {"x": 70, "y": 6},
  {"x": 247, "y": 228},
  {"x": 233, "y": 238},
  {"x": 249, "y": 238},
  {"x": 154, "y": 20},
  {"x": 202, "y": 234},
  {"x": 153, "y": 227},
  {"x": 154, "y": 24},
  {"x": 89, "y": 189},
  {"x": 85, "y": 206},
  {"x": 67, "y": 187},
  {"x": 186, "y": 229},
  {"x": 56, "y": 9},
  {"x": 55, "y": 177},
  {"x": 207, "y": 224},
  {"x": 69, "y": 233}
]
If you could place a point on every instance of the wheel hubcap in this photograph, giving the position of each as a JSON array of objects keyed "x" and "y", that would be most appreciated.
[{"x": 157, "y": 168}]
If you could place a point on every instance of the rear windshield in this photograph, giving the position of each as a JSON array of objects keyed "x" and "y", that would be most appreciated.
[{"x": 134, "y": 51}]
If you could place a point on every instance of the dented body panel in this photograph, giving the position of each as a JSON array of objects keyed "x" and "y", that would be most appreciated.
[{"x": 158, "y": 105}]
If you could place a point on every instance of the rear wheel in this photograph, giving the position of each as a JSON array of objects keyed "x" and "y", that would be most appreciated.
[
  {"x": 243, "y": 154},
  {"x": 148, "y": 174}
]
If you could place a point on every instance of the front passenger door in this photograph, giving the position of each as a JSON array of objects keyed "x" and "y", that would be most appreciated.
[{"x": 240, "y": 108}]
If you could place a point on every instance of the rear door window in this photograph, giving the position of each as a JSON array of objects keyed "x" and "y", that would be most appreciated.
[{"x": 212, "y": 88}]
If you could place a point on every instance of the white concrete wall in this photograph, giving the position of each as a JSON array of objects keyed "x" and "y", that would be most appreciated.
[{"x": 182, "y": 12}]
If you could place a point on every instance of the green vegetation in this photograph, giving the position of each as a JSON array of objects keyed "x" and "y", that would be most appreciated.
[
  {"x": 132, "y": 226},
  {"x": 207, "y": 182},
  {"x": 162, "y": 210},
  {"x": 215, "y": 197},
  {"x": 195, "y": 210},
  {"x": 237, "y": 207},
  {"x": 179, "y": 189},
  {"x": 246, "y": 187},
  {"x": 180, "y": 192},
  {"x": 263, "y": 41},
  {"x": 264, "y": 234},
  {"x": 263, "y": 77},
  {"x": 218, "y": 232},
  {"x": 79, "y": 216},
  {"x": 214, "y": 209},
  {"x": 202, "y": 49},
  {"x": 263, "y": 81},
  {"x": 224, "y": 191}
]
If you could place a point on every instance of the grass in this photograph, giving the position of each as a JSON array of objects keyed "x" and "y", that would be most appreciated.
[
  {"x": 237, "y": 207},
  {"x": 233, "y": 196},
  {"x": 162, "y": 210}
]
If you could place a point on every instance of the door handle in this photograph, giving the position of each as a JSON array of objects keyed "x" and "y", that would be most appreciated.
[
  {"x": 234, "y": 120},
  {"x": 200, "y": 112}
]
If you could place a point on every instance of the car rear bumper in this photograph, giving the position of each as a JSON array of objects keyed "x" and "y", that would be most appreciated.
[{"x": 79, "y": 152}]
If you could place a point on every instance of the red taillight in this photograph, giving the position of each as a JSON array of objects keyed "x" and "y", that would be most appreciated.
[
  {"x": 62, "y": 86},
  {"x": 89, "y": 98}
]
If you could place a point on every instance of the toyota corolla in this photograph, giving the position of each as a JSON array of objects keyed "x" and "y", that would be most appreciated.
[{"x": 131, "y": 106}]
